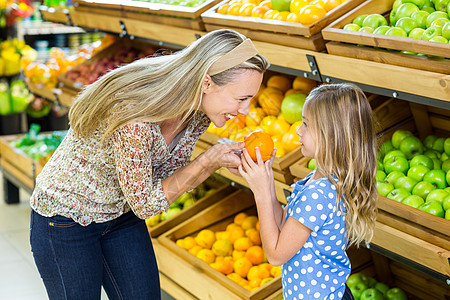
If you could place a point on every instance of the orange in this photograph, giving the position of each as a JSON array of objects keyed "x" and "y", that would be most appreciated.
[
  {"x": 276, "y": 138},
  {"x": 270, "y": 13},
  {"x": 194, "y": 250},
  {"x": 180, "y": 243},
  {"x": 296, "y": 5},
  {"x": 304, "y": 85},
  {"x": 257, "y": 226},
  {"x": 279, "y": 127},
  {"x": 290, "y": 141},
  {"x": 254, "y": 282},
  {"x": 255, "y": 2},
  {"x": 281, "y": 16},
  {"x": 231, "y": 226},
  {"x": 265, "y": 280},
  {"x": 206, "y": 255},
  {"x": 259, "y": 12},
  {"x": 234, "y": 9},
  {"x": 249, "y": 222},
  {"x": 267, "y": 3},
  {"x": 241, "y": 266},
  {"x": 259, "y": 271},
  {"x": 319, "y": 3},
  {"x": 279, "y": 82},
  {"x": 255, "y": 116},
  {"x": 223, "y": 265},
  {"x": 293, "y": 18},
  {"x": 235, "y": 277},
  {"x": 246, "y": 9},
  {"x": 254, "y": 236},
  {"x": 280, "y": 149},
  {"x": 236, "y": 233},
  {"x": 242, "y": 244},
  {"x": 228, "y": 128},
  {"x": 240, "y": 134},
  {"x": 189, "y": 242},
  {"x": 223, "y": 9},
  {"x": 255, "y": 255},
  {"x": 240, "y": 217},
  {"x": 295, "y": 126},
  {"x": 310, "y": 14},
  {"x": 212, "y": 128},
  {"x": 331, "y": 4},
  {"x": 292, "y": 91},
  {"x": 205, "y": 238},
  {"x": 222, "y": 248},
  {"x": 275, "y": 271},
  {"x": 261, "y": 140},
  {"x": 238, "y": 254},
  {"x": 270, "y": 100},
  {"x": 223, "y": 235}
]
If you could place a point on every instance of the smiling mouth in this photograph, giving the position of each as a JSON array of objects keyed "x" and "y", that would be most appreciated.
[{"x": 229, "y": 116}]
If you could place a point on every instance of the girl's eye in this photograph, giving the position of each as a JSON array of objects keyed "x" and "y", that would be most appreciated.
[{"x": 243, "y": 99}]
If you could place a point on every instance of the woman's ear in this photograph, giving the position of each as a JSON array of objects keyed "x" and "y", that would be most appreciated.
[{"x": 207, "y": 82}]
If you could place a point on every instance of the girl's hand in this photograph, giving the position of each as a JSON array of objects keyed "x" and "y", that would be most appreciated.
[{"x": 223, "y": 155}]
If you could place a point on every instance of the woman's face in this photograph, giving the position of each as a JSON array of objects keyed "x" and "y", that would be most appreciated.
[
  {"x": 221, "y": 103},
  {"x": 306, "y": 136}
]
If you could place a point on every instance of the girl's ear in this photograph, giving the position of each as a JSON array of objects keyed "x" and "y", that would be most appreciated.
[{"x": 207, "y": 82}]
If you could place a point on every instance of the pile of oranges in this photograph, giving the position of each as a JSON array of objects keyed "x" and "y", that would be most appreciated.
[
  {"x": 301, "y": 11},
  {"x": 235, "y": 252},
  {"x": 265, "y": 114}
]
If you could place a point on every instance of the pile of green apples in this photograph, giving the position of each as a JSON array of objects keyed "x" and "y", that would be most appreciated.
[
  {"x": 415, "y": 172},
  {"x": 427, "y": 20},
  {"x": 368, "y": 288}
]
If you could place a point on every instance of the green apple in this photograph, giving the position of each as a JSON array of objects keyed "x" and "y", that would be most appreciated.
[
  {"x": 366, "y": 29},
  {"x": 438, "y": 144},
  {"x": 446, "y": 202},
  {"x": 437, "y": 163},
  {"x": 357, "y": 289},
  {"x": 421, "y": 18},
  {"x": 386, "y": 147},
  {"x": 407, "y": 24},
  {"x": 371, "y": 281},
  {"x": 170, "y": 213},
  {"x": 445, "y": 165},
  {"x": 384, "y": 188},
  {"x": 359, "y": 20},
  {"x": 397, "y": 3},
  {"x": 428, "y": 9},
  {"x": 447, "y": 140},
  {"x": 408, "y": 52},
  {"x": 447, "y": 177},
  {"x": 437, "y": 195},
  {"x": 433, "y": 207},
  {"x": 398, "y": 136},
  {"x": 396, "y": 294},
  {"x": 404, "y": 10},
  {"x": 312, "y": 164},
  {"x": 423, "y": 160},
  {"x": 374, "y": 21},
  {"x": 398, "y": 194},
  {"x": 431, "y": 32},
  {"x": 356, "y": 278},
  {"x": 188, "y": 203},
  {"x": 405, "y": 182},
  {"x": 427, "y": 3},
  {"x": 380, "y": 175},
  {"x": 411, "y": 145},
  {"x": 394, "y": 176},
  {"x": 435, "y": 15},
  {"x": 436, "y": 178},
  {"x": 381, "y": 30},
  {"x": 382, "y": 287},
  {"x": 396, "y": 163},
  {"x": 417, "y": 172},
  {"x": 416, "y": 33},
  {"x": 447, "y": 214},
  {"x": 444, "y": 157},
  {"x": 393, "y": 153},
  {"x": 413, "y": 201},
  {"x": 372, "y": 294},
  {"x": 422, "y": 189},
  {"x": 439, "y": 22},
  {"x": 418, "y": 3},
  {"x": 396, "y": 31},
  {"x": 351, "y": 27},
  {"x": 429, "y": 140},
  {"x": 441, "y": 5},
  {"x": 439, "y": 39},
  {"x": 432, "y": 154},
  {"x": 380, "y": 166}
]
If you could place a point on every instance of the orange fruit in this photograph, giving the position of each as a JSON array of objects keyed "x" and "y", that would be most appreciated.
[
  {"x": 240, "y": 217},
  {"x": 224, "y": 265},
  {"x": 259, "y": 271},
  {"x": 249, "y": 222},
  {"x": 304, "y": 85},
  {"x": 223, "y": 235},
  {"x": 240, "y": 134},
  {"x": 234, "y": 9},
  {"x": 238, "y": 254},
  {"x": 331, "y": 4},
  {"x": 296, "y": 5},
  {"x": 255, "y": 2},
  {"x": 257, "y": 226},
  {"x": 295, "y": 126},
  {"x": 292, "y": 91},
  {"x": 246, "y": 9},
  {"x": 263, "y": 141},
  {"x": 254, "y": 236},
  {"x": 279, "y": 127},
  {"x": 189, "y": 242},
  {"x": 236, "y": 233},
  {"x": 241, "y": 266},
  {"x": 265, "y": 280},
  {"x": 223, "y": 9},
  {"x": 267, "y": 3},
  {"x": 290, "y": 141},
  {"x": 310, "y": 14},
  {"x": 254, "y": 282},
  {"x": 270, "y": 13},
  {"x": 180, "y": 243},
  {"x": 228, "y": 128},
  {"x": 281, "y": 16},
  {"x": 242, "y": 244},
  {"x": 222, "y": 248},
  {"x": 293, "y": 18},
  {"x": 235, "y": 277},
  {"x": 280, "y": 149},
  {"x": 279, "y": 82},
  {"x": 275, "y": 271},
  {"x": 205, "y": 238},
  {"x": 270, "y": 100},
  {"x": 231, "y": 226},
  {"x": 206, "y": 255},
  {"x": 255, "y": 116},
  {"x": 259, "y": 12},
  {"x": 255, "y": 255},
  {"x": 194, "y": 250},
  {"x": 319, "y": 3}
]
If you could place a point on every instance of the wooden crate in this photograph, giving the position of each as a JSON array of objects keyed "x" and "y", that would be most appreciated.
[
  {"x": 216, "y": 217},
  {"x": 335, "y": 33},
  {"x": 388, "y": 111},
  {"x": 57, "y": 15},
  {"x": 222, "y": 190},
  {"x": 277, "y": 32}
]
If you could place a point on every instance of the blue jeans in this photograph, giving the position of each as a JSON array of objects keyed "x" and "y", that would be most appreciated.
[
  {"x": 348, "y": 294},
  {"x": 75, "y": 261}
]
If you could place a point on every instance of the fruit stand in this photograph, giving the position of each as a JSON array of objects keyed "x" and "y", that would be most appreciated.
[{"x": 411, "y": 248}]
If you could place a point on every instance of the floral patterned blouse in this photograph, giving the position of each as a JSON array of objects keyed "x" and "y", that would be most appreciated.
[{"x": 90, "y": 183}]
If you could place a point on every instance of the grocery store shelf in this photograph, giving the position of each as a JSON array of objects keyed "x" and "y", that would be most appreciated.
[{"x": 42, "y": 28}]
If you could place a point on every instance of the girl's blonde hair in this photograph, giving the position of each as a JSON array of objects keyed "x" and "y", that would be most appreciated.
[
  {"x": 157, "y": 88},
  {"x": 343, "y": 127}
]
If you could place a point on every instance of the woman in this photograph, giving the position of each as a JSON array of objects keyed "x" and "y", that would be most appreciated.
[{"x": 126, "y": 158}]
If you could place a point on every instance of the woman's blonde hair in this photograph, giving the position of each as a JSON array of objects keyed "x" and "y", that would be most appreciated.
[
  {"x": 343, "y": 127},
  {"x": 157, "y": 88}
]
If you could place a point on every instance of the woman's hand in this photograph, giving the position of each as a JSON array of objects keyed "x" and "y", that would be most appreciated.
[{"x": 223, "y": 155}]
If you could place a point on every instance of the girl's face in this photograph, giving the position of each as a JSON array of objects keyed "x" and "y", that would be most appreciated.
[
  {"x": 306, "y": 136},
  {"x": 221, "y": 103}
]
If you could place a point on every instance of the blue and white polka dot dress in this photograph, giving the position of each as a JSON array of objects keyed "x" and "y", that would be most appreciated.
[{"x": 321, "y": 267}]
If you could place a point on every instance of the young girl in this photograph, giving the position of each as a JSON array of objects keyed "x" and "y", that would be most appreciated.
[{"x": 331, "y": 208}]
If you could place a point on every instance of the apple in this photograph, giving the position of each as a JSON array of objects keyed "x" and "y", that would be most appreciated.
[
  {"x": 439, "y": 22},
  {"x": 398, "y": 136},
  {"x": 421, "y": 18},
  {"x": 398, "y": 194},
  {"x": 437, "y": 163},
  {"x": 404, "y": 10},
  {"x": 394, "y": 176},
  {"x": 366, "y": 29},
  {"x": 386, "y": 147},
  {"x": 406, "y": 182},
  {"x": 435, "y": 15},
  {"x": 374, "y": 21},
  {"x": 292, "y": 107},
  {"x": 447, "y": 177},
  {"x": 423, "y": 160},
  {"x": 417, "y": 172},
  {"x": 432, "y": 153},
  {"x": 372, "y": 294},
  {"x": 444, "y": 157},
  {"x": 431, "y": 32},
  {"x": 380, "y": 175},
  {"x": 447, "y": 140},
  {"x": 428, "y": 141},
  {"x": 433, "y": 207},
  {"x": 445, "y": 165},
  {"x": 413, "y": 201},
  {"x": 446, "y": 202},
  {"x": 396, "y": 163},
  {"x": 393, "y": 153},
  {"x": 447, "y": 214},
  {"x": 384, "y": 188},
  {"x": 381, "y": 30},
  {"x": 447, "y": 189},
  {"x": 359, "y": 20},
  {"x": 418, "y": 3},
  {"x": 351, "y": 27},
  {"x": 357, "y": 289},
  {"x": 441, "y": 5},
  {"x": 380, "y": 165},
  {"x": 438, "y": 39},
  {"x": 371, "y": 281},
  {"x": 436, "y": 178},
  {"x": 397, "y": 3},
  {"x": 312, "y": 164},
  {"x": 407, "y": 24},
  {"x": 428, "y": 9},
  {"x": 422, "y": 189},
  {"x": 396, "y": 31},
  {"x": 416, "y": 33},
  {"x": 356, "y": 278},
  {"x": 438, "y": 144},
  {"x": 437, "y": 195},
  {"x": 411, "y": 145},
  {"x": 427, "y": 3},
  {"x": 382, "y": 287},
  {"x": 396, "y": 294}
]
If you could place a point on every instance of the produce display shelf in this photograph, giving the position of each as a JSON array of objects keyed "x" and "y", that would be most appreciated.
[
  {"x": 62, "y": 96},
  {"x": 57, "y": 15}
]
